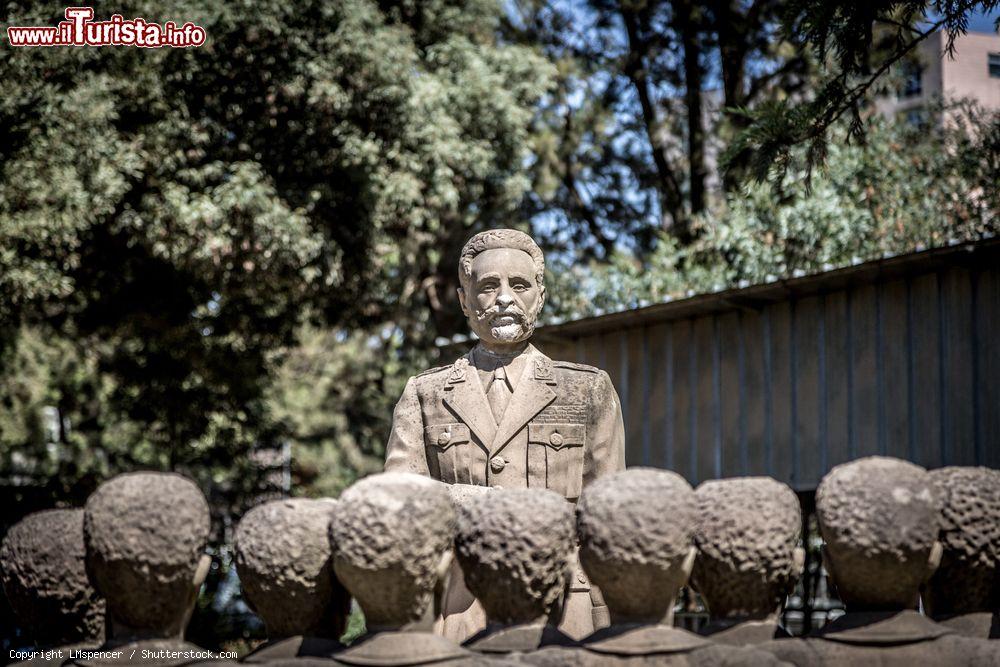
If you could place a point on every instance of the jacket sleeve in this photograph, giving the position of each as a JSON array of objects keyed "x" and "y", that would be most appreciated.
[
  {"x": 405, "y": 450},
  {"x": 606, "y": 451}
]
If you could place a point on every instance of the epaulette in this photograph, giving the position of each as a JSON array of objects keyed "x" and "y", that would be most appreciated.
[
  {"x": 433, "y": 370},
  {"x": 576, "y": 367}
]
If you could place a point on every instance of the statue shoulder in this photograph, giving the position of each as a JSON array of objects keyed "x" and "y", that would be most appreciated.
[
  {"x": 569, "y": 365},
  {"x": 432, "y": 371}
]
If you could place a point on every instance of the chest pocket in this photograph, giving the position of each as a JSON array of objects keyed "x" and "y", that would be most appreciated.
[
  {"x": 448, "y": 452},
  {"x": 562, "y": 447}
]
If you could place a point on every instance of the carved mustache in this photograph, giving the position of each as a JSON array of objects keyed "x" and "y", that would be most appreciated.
[{"x": 494, "y": 312}]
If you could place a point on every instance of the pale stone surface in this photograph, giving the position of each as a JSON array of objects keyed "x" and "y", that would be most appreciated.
[
  {"x": 463, "y": 614},
  {"x": 889, "y": 639},
  {"x": 515, "y": 548},
  {"x": 749, "y": 557},
  {"x": 45, "y": 580},
  {"x": 636, "y": 532},
  {"x": 879, "y": 519},
  {"x": 392, "y": 540},
  {"x": 562, "y": 426},
  {"x": 284, "y": 562},
  {"x": 636, "y": 529},
  {"x": 965, "y": 589},
  {"x": 145, "y": 535},
  {"x": 557, "y": 425},
  {"x": 389, "y": 534}
]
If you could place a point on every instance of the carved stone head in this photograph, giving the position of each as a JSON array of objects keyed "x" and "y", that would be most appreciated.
[
  {"x": 45, "y": 579},
  {"x": 748, "y": 546},
  {"x": 968, "y": 579},
  {"x": 636, "y": 529},
  {"x": 146, "y": 535},
  {"x": 392, "y": 536},
  {"x": 501, "y": 273},
  {"x": 879, "y": 519},
  {"x": 284, "y": 562},
  {"x": 515, "y": 549}
]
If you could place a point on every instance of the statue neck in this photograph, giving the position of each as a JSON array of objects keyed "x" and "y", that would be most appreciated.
[{"x": 502, "y": 351}]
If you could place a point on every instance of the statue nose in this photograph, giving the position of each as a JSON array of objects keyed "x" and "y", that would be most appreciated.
[{"x": 505, "y": 300}]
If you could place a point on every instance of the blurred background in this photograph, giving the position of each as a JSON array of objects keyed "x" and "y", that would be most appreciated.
[{"x": 226, "y": 260}]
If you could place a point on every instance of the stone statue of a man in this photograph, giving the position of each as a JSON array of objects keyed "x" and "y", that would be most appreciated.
[{"x": 505, "y": 415}]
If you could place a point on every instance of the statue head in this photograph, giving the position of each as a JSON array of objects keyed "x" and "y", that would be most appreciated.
[
  {"x": 45, "y": 579},
  {"x": 968, "y": 579},
  {"x": 747, "y": 537},
  {"x": 636, "y": 529},
  {"x": 392, "y": 536},
  {"x": 515, "y": 548},
  {"x": 284, "y": 562},
  {"x": 145, "y": 535},
  {"x": 879, "y": 520},
  {"x": 501, "y": 273}
]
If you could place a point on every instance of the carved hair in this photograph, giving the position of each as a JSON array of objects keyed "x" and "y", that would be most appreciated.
[
  {"x": 748, "y": 529},
  {"x": 285, "y": 566},
  {"x": 45, "y": 579},
  {"x": 635, "y": 529},
  {"x": 389, "y": 533},
  {"x": 515, "y": 548},
  {"x": 500, "y": 238},
  {"x": 145, "y": 535},
  {"x": 968, "y": 579},
  {"x": 879, "y": 518}
]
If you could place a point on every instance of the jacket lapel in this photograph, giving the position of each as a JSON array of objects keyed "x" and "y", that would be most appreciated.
[
  {"x": 532, "y": 395},
  {"x": 463, "y": 394}
]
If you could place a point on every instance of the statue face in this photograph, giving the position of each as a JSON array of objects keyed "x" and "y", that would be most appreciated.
[{"x": 501, "y": 297}]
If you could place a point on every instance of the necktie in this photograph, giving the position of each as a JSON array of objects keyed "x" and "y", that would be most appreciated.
[{"x": 499, "y": 393}]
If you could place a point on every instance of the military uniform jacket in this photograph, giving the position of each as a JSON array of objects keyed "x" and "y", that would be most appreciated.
[{"x": 561, "y": 429}]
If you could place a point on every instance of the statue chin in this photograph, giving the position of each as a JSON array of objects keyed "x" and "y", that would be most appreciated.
[{"x": 511, "y": 333}]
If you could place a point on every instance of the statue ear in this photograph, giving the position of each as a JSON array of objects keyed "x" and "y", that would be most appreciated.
[
  {"x": 934, "y": 559},
  {"x": 688, "y": 565},
  {"x": 461, "y": 301},
  {"x": 798, "y": 561}
]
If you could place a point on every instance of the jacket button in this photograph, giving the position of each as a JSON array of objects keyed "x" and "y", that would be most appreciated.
[
  {"x": 556, "y": 439},
  {"x": 497, "y": 463},
  {"x": 444, "y": 438}
]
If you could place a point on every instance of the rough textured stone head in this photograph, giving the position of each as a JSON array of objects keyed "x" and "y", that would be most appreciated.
[
  {"x": 879, "y": 518},
  {"x": 390, "y": 534},
  {"x": 145, "y": 535},
  {"x": 45, "y": 579},
  {"x": 500, "y": 238},
  {"x": 747, "y": 534},
  {"x": 968, "y": 579},
  {"x": 284, "y": 562},
  {"x": 636, "y": 529},
  {"x": 515, "y": 548}
]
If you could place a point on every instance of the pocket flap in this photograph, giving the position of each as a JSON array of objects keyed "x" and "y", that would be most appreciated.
[
  {"x": 557, "y": 436},
  {"x": 444, "y": 436}
]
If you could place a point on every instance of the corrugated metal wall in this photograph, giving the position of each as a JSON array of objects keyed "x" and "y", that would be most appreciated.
[{"x": 908, "y": 367}]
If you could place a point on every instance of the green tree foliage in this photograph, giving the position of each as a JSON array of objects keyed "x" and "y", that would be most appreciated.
[
  {"x": 904, "y": 189},
  {"x": 858, "y": 44},
  {"x": 628, "y": 142},
  {"x": 169, "y": 217}
]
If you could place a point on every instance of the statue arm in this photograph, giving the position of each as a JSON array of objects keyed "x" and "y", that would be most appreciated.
[
  {"x": 405, "y": 450},
  {"x": 606, "y": 453}
]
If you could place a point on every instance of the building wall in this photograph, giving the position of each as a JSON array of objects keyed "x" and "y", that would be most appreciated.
[
  {"x": 964, "y": 77},
  {"x": 907, "y": 366},
  {"x": 967, "y": 75}
]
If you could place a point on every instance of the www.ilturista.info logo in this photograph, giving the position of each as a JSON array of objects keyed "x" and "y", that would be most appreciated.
[{"x": 79, "y": 29}]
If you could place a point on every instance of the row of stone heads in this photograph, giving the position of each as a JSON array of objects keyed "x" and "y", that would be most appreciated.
[{"x": 892, "y": 532}]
